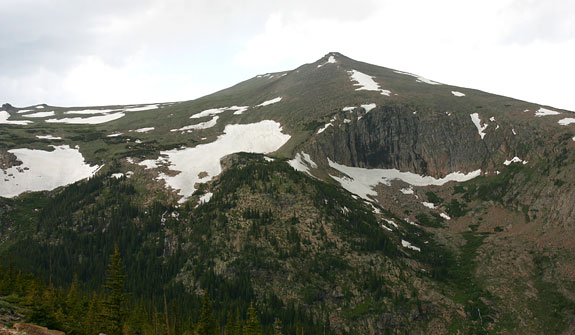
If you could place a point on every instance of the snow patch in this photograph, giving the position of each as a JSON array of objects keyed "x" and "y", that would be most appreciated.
[
  {"x": 202, "y": 125},
  {"x": 545, "y": 112},
  {"x": 144, "y": 130},
  {"x": 361, "y": 181},
  {"x": 408, "y": 190},
  {"x": 330, "y": 60},
  {"x": 492, "y": 119},
  {"x": 24, "y": 111},
  {"x": 366, "y": 82},
  {"x": 204, "y": 159},
  {"x": 239, "y": 109},
  {"x": 117, "y": 175},
  {"x": 392, "y": 223},
  {"x": 458, "y": 94},
  {"x": 322, "y": 129},
  {"x": 428, "y": 205},
  {"x": 513, "y": 131},
  {"x": 205, "y": 198},
  {"x": 368, "y": 107},
  {"x": 141, "y": 108},
  {"x": 269, "y": 102},
  {"x": 515, "y": 160},
  {"x": 302, "y": 162},
  {"x": 91, "y": 111},
  {"x": 445, "y": 216},
  {"x": 566, "y": 121},
  {"x": 348, "y": 109},
  {"x": 89, "y": 120},
  {"x": 39, "y": 107},
  {"x": 408, "y": 245},
  {"x": 44, "y": 170},
  {"x": 4, "y": 119},
  {"x": 149, "y": 164},
  {"x": 419, "y": 79},
  {"x": 477, "y": 123},
  {"x": 41, "y": 114},
  {"x": 115, "y": 135},
  {"x": 48, "y": 137}
]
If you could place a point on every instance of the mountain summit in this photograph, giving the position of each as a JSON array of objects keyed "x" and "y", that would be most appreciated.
[{"x": 367, "y": 199}]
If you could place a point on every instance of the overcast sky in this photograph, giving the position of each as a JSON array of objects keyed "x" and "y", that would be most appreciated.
[{"x": 84, "y": 52}]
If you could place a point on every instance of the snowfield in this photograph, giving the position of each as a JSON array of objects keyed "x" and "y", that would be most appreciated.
[
  {"x": 545, "y": 112},
  {"x": 204, "y": 159},
  {"x": 361, "y": 181},
  {"x": 4, "y": 115},
  {"x": 89, "y": 120},
  {"x": 44, "y": 170},
  {"x": 366, "y": 82},
  {"x": 477, "y": 123}
]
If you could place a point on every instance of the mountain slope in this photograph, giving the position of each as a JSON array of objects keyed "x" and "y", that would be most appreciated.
[{"x": 454, "y": 212}]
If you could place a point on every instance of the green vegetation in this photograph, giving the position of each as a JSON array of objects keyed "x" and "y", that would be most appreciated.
[{"x": 550, "y": 306}]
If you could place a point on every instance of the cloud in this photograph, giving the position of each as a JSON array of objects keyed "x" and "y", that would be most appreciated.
[
  {"x": 465, "y": 44},
  {"x": 111, "y": 51}
]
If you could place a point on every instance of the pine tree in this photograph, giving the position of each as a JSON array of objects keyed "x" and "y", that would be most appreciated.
[
  {"x": 252, "y": 326},
  {"x": 114, "y": 306},
  {"x": 207, "y": 324}
]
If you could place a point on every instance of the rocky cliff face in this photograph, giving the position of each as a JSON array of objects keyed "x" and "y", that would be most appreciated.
[{"x": 402, "y": 138}]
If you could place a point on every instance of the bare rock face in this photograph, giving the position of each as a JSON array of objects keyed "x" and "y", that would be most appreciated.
[
  {"x": 8, "y": 160},
  {"x": 31, "y": 329},
  {"x": 7, "y": 107},
  {"x": 399, "y": 137}
]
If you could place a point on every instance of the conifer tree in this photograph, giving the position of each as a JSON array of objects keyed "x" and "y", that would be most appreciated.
[
  {"x": 114, "y": 306},
  {"x": 91, "y": 320},
  {"x": 207, "y": 324},
  {"x": 278, "y": 328},
  {"x": 230, "y": 328},
  {"x": 252, "y": 326}
]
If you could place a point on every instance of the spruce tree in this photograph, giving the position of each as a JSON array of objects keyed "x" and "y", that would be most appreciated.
[
  {"x": 114, "y": 306},
  {"x": 252, "y": 326},
  {"x": 207, "y": 324}
]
